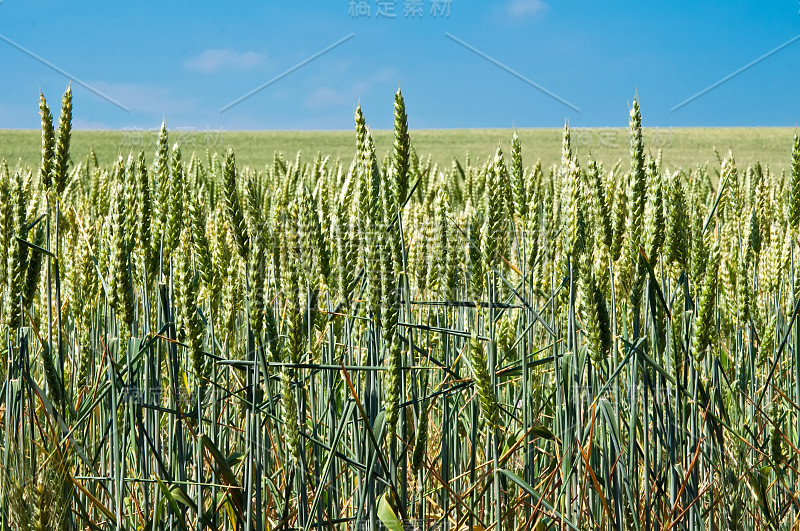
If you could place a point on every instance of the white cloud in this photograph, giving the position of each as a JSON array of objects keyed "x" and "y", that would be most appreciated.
[
  {"x": 526, "y": 8},
  {"x": 215, "y": 60}
]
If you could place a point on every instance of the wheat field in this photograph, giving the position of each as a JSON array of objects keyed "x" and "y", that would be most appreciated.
[
  {"x": 682, "y": 147},
  {"x": 367, "y": 342}
]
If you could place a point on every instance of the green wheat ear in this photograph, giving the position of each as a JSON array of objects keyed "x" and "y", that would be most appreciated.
[
  {"x": 18, "y": 255},
  {"x": 602, "y": 207},
  {"x": 258, "y": 258},
  {"x": 291, "y": 418},
  {"x": 121, "y": 297},
  {"x": 342, "y": 227},
  {"x": 638, "y": 172},
  {"x": 655, "y": 211},
  {"x": 518, "y": 182},
  {"x": 6, "y": 223},
  {"x": 144, "y": 229},
  {"x": 566, "y": 146},
  {"x": 704, "y": 322},
  {"x": 676, "y": 238},
  {"x": 575, "y": 229},
  {"x": 61, "y": 165},
  {"x": 236, "y": 221},
  {"x": 402, "y": 148},
  {"x": 620, "y": 219},
  {"x": 200, "y": 245},
  {"x": 161, "y": 170},
  {"x": 634, "y": 271},
  {"x": 85, "y": 289},
  {"x": 421, "y": 437},
  {"x": 794, "y": 186},
  {"x": 192, "y": 324},
  {"x": 495, "y": 235},
  {"x": 361, "y": 135},
  {"x": 597, "y": 319},
  {"x": 175, "y": 201},
  {"x": 34, "y": 269},
  {"x": 479, "y": 364},
  {"x": 48, "y": 144},
  {"x": 776, "y": 437},
  {"x": 370, "y": 218}
]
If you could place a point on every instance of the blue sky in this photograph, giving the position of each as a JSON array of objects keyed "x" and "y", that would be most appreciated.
[{"x": 186, "y": 60}]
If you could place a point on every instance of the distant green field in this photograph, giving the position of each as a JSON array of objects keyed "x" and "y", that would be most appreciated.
[{"x": 681, "y": 147}]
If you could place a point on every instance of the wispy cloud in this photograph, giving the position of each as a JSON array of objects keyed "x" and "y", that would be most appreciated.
[
  {"x": 526, "y": 8},
  {"x": 288, "y": 72},
  {"x": 150, "y": 99},
  {"x": 326, "y": 95},
  {"x": 215, "y": 60}
]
